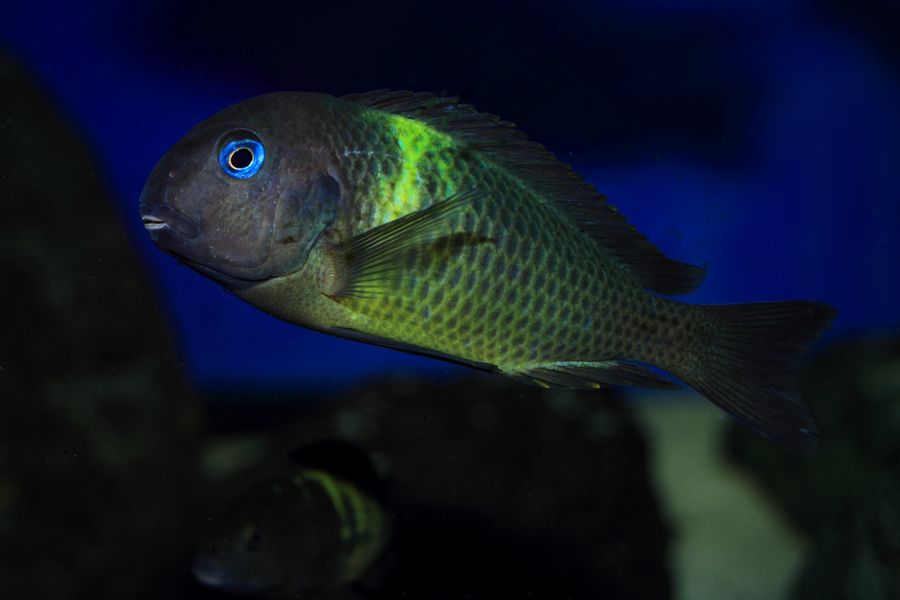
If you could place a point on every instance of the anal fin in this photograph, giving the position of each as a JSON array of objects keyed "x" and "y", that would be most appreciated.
[{"x": 587, "y": 375}]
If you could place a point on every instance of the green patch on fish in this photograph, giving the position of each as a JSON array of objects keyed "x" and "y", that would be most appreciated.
[{"x": 413, "y": 221}]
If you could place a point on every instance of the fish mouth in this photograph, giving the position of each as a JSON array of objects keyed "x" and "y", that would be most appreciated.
[
  {"x": 162, "y": 217},
  {"x": 209, "y": 578},
  {"x": 152, "y": 223},
  {"x": 219, "y": 577}
]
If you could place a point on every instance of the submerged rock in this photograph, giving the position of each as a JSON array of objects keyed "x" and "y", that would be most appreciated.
[
  {"x": 846, "y": 499},
  {"x": 97, "y": 431},
  {"x": 502, "y": 490}
]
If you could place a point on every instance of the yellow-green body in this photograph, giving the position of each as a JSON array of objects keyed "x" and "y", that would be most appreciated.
[{"x": 540, "y": 291}]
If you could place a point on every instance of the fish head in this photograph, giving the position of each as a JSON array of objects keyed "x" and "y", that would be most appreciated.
[
  {"x": 269, "y": 540},
  {"x": 244, "y": 196}
]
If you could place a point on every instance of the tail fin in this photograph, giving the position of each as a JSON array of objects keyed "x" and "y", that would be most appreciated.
[{"x": 748, "y": 365}]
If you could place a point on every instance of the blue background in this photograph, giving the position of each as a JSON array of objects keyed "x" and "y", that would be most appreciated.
[{"x": 759, "y": 138}]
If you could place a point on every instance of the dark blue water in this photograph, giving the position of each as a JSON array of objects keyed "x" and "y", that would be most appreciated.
[{"x": 760, "y": 139}]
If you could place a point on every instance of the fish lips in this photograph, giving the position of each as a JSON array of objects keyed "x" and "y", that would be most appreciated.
[
  {"x": 163, "y": 222},
  {"x": 218, "y": 576}
]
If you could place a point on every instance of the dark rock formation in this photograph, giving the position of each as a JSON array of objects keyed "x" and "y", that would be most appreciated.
[
  {"x": 96, "y": 429},
  {"x": 847, "y": 498},
  {"x": 501, "y": 490}
]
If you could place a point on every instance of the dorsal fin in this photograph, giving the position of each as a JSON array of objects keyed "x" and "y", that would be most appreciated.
[{"x": 541, "y": 171}]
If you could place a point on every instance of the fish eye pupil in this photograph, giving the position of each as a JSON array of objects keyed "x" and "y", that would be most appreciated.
[{"x": 240, "y": 158}]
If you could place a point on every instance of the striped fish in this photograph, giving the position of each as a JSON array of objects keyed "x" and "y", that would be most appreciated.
[{"x": 306, "y": 530}]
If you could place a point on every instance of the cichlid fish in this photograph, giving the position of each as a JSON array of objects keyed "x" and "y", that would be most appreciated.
[
  {"x": 306, "y": 531},
  {"x": 412, "y": 221}
]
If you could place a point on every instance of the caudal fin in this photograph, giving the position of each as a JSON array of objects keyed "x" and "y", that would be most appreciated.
[{"x": 748, "y": 364}]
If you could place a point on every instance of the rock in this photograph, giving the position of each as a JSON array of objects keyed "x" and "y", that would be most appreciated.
[
  {"x": 846, "y": 498},
  {"x": 857, "y": 551},
  {"x": 502, "y": 490},
  {"x": 97, "y": 430}
]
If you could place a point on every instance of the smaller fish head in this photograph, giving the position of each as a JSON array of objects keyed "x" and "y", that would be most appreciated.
[
  {"x": 237, "y": 562},
  {"x": 240, "y": 200},
  {"x": 267, "y": 540}
]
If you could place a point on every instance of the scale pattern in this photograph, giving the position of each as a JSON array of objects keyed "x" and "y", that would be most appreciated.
[{"x": 539, "y": 291}]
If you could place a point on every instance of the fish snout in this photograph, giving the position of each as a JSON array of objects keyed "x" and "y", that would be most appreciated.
[
  {"x": 163, "y": 219},
  {"x": 210, "y": 567},
  {"x": 208, "y": 574},
  {"x": 218, "y": 573}
]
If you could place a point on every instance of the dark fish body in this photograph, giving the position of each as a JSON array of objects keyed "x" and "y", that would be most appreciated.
[
  {"x": 412, "y": 221},
  {"x": 302, "y": 532}
]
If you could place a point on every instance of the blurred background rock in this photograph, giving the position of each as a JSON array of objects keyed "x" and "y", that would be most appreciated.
[
  {"x": 98, "y": 432},
  {"x": 846, "y": 501},
  {"x": 498, "y": 490}
]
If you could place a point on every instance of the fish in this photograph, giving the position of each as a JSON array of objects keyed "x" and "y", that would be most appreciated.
[
  {"x": 413, "y": 221},
  {"x": 310, "y": 529}
]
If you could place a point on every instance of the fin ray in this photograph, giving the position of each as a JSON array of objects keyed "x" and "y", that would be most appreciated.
[
  {"x": 749, "y": 366},
  {"x": 372, "y": 261},
  {"x": 592, "y": 375}
]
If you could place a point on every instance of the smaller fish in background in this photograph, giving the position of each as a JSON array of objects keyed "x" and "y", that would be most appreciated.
[{"x": 311, "y": 529}]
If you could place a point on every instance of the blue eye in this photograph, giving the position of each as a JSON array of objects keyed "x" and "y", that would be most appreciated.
[{"x": 242, "y": 158}]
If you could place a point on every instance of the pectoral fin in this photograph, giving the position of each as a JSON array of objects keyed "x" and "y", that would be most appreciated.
[{"x": 373, "y": 263}]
